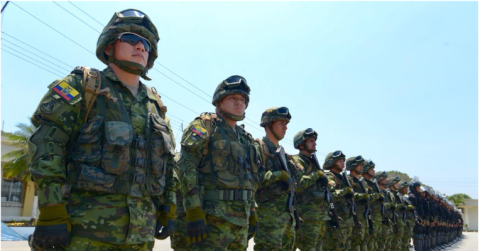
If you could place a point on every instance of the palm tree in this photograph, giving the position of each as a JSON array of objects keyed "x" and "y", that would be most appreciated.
[
  {"x": 458, "y": 199},
  {"x": 18, "y": 166}
]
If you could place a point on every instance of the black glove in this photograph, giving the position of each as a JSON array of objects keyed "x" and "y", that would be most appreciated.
[
  {"x": 51, "y": 236},
  {"x": 252, "y": 225},
  {"x": 162, "y": 232},
  {"x": 196, "y": 226}
]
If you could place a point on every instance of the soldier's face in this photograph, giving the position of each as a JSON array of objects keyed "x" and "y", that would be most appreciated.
[
  {"x": 340, "y": 164},
  {"x": 280, "y": 128},
  {"x": 359, "y": 168},
  {"x": 133, "y": 53},
  {"x": 311, "y": 144},
  {"x": 371, "y": 172},
  {"x": 234, "y": 104},
  {"x": 404, "y": 190}
]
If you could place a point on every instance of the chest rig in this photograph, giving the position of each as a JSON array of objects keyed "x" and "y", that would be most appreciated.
[
  {"x": 342, "y": 203},
  {"x": 107, "y": 156},
  {"x": 377, "y": 204},
  {"x": 315, "y": 192},
  {"x": 270, "y": 162},
  {"x": 228, "y": 170}
]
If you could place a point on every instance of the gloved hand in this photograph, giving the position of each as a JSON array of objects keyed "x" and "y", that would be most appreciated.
[
  {"x": 410, "y": 208},
  {"x": 381, "y": 198},
  {"x": 53, "y": 227},
  {"x": 348, "y": 192},
  {"x": 197, "y": 230},
  {"x": 252, "y": 225},
  {"x": 165, "y": 221},
  {"x": 365, "y": 198},
  {"x": 286, "y": 178},
  {"x": 402, "y": 207},
  {"x": 321, "y": 177}
]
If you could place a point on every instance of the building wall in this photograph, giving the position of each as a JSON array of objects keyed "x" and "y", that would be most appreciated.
[{"x": 470, "y": 214}]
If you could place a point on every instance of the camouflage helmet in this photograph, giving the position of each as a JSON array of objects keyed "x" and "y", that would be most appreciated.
[
  {"x": 128, "y": 21},
  {"x": 232, "y": 85},
  {"x": 380, "y": 175},
  {"x": 402, "y": 185},
  {"x": 332, "y": 158},
  {"x": 303, "y": 135},
  {"x": 369, "y": 164},
  {"x": 352, "y": 162},
  {"x": 274, "y": 114},
  {"x": 393, "y": 181}
]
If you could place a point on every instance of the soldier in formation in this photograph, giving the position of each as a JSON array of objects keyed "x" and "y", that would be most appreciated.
[{"x": 102, "y": 153}]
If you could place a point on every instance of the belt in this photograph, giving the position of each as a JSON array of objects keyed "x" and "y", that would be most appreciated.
[{"x": 233, "y": 194}]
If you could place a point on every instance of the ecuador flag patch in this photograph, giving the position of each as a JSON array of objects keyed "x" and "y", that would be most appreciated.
[
  {"x": 65, "y": 90},
  {"x": 199, "y": 130}
]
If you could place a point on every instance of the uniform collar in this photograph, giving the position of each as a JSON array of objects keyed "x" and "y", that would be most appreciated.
[{"x": 142, "y": 89}]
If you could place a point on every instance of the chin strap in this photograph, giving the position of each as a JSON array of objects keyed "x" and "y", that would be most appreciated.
[
  {"x": 273, "y": 132},
  {"x": 232, "y": 116},
  {"x": 128, "y": 66}
]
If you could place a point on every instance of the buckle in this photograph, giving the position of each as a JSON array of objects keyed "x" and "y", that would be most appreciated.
[
  {"x": 139, "y": 143},
  {"x": 237, "y": 195},
  {"x": 139, "y": 179},
  {"x": 138, "y": 162}
]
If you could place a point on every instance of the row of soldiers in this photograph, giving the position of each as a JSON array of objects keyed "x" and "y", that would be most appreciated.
[
  {"x": 234, "y": 188},
  {"x": 108, "y": 178}
]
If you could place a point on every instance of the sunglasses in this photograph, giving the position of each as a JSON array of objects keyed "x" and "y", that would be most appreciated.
[
  {"x": 309, "y": 132},
  {"x": 369, "y": 163},
  {"x": 133, "y": 39},
  {"x": 137, "y": 17},
  {"x": 132, "y": 13},
  {"x": 359, "y": 158},
  {"x": 284, "y": 111},
  {"x": 236, "y": 81}
]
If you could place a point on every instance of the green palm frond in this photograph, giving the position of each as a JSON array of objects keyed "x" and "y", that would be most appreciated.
[{"x": 18, "y": 166}]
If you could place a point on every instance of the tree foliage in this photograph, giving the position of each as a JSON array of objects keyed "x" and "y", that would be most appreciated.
[
  {"x": 458, "y": 199},
  {"x": 17, "y": 167}
]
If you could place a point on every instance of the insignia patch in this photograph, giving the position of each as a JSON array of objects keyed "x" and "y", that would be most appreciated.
[
  {"x": 65, "y": 90},
  {"x": 51, "y": 106},
  {"x": 199, "y": 131}
]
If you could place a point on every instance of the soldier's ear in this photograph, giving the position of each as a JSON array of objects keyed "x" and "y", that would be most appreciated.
[{"x": 107, "y": 49}]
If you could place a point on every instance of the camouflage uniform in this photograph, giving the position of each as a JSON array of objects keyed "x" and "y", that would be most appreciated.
[
  {"x": 400, "y": 212},
  {"x": 391, "y": 230},
  {"x": 311, "y": 204},
  {"x": 383, "y": 223},
  {"x": 113, "y": 170},
  {"x": 276, "y": 223},
  {"x": 339, "y": 238},
  {"x": 376, "y": 202},
  {"x": 218, "y": 169}
]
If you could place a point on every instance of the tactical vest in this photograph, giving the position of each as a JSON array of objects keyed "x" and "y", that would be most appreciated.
[
  {"x": 228, "y": 170},
  {"x": 107, "y": 157},
  {"x": 360, "y": 207},
  {"x": 270, "y": 162},
  {"x": 377, "y": 204},
  {"x": 313, "y": 193},
  {"x": 388, "y": 199},
  {"x": 342, "y": 204}
]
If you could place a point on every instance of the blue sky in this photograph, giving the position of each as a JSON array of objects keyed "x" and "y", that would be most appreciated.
[{"x": 396, "y": 82}]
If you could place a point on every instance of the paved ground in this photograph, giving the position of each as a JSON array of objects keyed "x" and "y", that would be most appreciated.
[{"x": 468, "y": 243}]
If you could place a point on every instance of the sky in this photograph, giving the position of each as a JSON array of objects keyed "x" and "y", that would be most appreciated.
[{"x": 395, "y": 82}]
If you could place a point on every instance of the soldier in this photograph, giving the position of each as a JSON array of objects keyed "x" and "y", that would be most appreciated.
[
  {"x": 102, "y": 154},
  {"x": 419, "y": 229},
  {"x": 275, "y": 209},
  {"x": 412, "y": 219},
  {"x": 427, "y": 218},
  {"x": 362, "y": 208},
  {"x": 387, "y": 226},
  {"x": 407, "y": 215},
  {"x": 376, "y": 205},
  {"x": 391, "y": 205},
  {"x": 400, "y": 212},
  {"x": 178, "y": 239},
  {"x": 311, "y": 192},
  {"x": 218, "y": 171},
  {"x": 339, "y": 238}
]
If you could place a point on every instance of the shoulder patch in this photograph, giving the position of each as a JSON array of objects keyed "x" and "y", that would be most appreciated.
[
  {"x": 199, "y": 130},
  {"x": 65, "y": 90}
]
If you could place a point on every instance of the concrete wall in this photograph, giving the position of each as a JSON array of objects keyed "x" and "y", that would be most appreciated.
[{"x": 470, "y": 214}]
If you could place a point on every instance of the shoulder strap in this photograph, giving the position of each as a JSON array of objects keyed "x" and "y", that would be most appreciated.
[
  {"x": 163, "y": 109},
  {"x": 207, "y": 119},
  {"x": 264, "y": 152},
  {"x": 92, "y": 86}
]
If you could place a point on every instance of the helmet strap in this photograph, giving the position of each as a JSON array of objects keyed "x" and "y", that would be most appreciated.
[
  {"x": 230, "y": 115},
  {"x": 273, "y": 132},
  {"x": 128, "y": 66},
  {"x": 305, "y": 148}
]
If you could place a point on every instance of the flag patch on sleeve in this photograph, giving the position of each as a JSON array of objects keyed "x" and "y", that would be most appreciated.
[
  {"x": 199, "y": 131},
  {"x": 65, "y": 90}
]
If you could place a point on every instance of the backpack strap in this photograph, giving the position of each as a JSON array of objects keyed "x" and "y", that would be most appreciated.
[
  {"x": 92, "y": 84},
  {"x": 264, "y": 152},
  {"x": 163, "y": 109}
]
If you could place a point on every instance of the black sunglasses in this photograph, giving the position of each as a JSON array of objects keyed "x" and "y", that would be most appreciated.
[
  {"x": 337, "y": 154},
  {"x": 133, "y": 39},
  {"x": 236, "y": 81},
  {"x": 284, "y": 111}
]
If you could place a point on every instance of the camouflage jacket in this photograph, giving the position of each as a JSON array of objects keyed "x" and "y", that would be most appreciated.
[
  {"x": 342, "y": 204},
  {"x": 98, "y": 162},
  {"x": 375, "y": 203},
  {"x": 390, "y": 205},
  {"x": 310, "y": 191},
  {"x": 223, "y": 182},
  {"x": 359, "y": 194}
]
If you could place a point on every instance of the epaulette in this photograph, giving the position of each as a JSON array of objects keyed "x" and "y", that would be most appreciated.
[
  {"x": 209, "y": 119},
  {"x": 78, "y": 70}
]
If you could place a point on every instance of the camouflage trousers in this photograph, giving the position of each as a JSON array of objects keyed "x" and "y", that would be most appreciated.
[
  {"x": 359, "y": 243},
  {"x": 223, "y": 235},
  {"x": 384, "y": 233},
  {"x": 397, "y": 237},
  {"x": 178, "y": 240},
  {"x": 338, "y": 239},
  {"x": 276, "y": 230},
  {"x": 407, "y": 235},
  {"x": 84, "y": 244},
  {"x": 311, "y": 235}
]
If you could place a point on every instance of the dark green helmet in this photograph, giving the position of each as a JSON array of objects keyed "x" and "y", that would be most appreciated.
[
  {"x": 369, "y": 164},
  {"x": 303, "y": 135},
  {"x": 128, "y": 21},
  {"x": 274, "y": 114},
  {"x": 232, "y": 85},
  {"x": 402, "y": 185},
  {"x": 380, "y": 175},
  {"x": 352, "y": 162},
  {"x": 393, "y": 181},
  {"x": 332, "y": 158}
]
